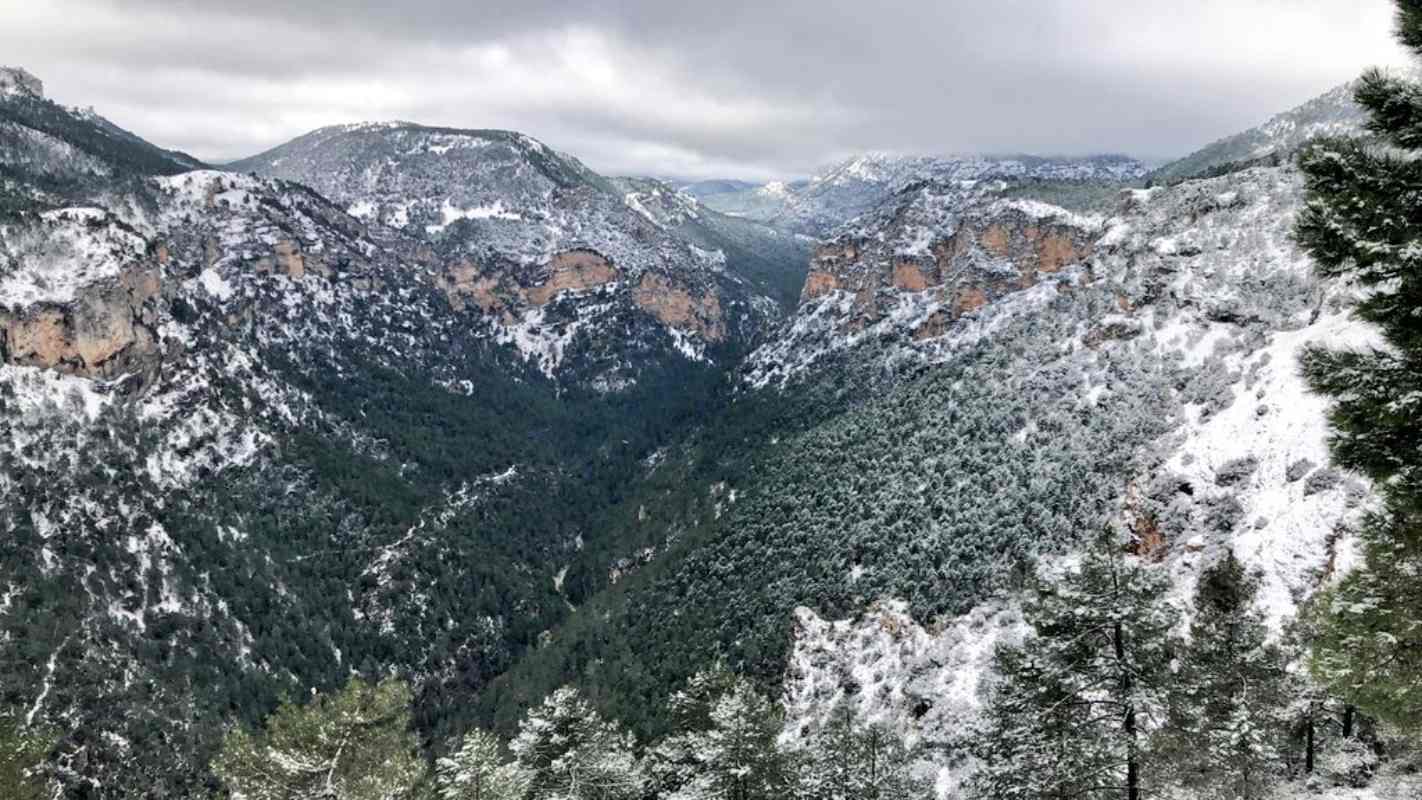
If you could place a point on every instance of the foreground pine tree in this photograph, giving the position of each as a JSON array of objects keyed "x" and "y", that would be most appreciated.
[
  {"x": 1227, "y": 719},
  {"x": 1362, "y": 222},
  {"x": 568, "y": 751},
  {"x": 355, "y": 744},
  {"x": 849, "y": 760},
  {"x": 725, "y": 745},
  {"x": 476, "y": 771},
  {"x": 23, "y": 749},
  {"x": 1068, "y": 717}
]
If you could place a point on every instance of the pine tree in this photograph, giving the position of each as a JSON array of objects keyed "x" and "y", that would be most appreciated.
[
  {"x": 568, "y": 751},
  {"x": 352, "y": 745},
  {"x": 23, "y": 749},
  {"x": 1361, "y": 223},
  {"x": 1226, "y": 722},
  {"x": 847, "y": 760},
  {"x": 476, "y": 771},
  {"x": 725, "y": 746},
  {"x": 1068, "y": 717}
]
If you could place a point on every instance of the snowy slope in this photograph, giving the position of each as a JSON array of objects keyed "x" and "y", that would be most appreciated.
[{"x": 1205, "y": 274}]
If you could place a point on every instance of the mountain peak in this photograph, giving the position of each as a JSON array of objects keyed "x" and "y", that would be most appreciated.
[{"x": 18, "y": 80}]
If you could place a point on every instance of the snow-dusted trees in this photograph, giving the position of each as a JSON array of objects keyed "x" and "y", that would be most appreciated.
[
  {"x": 568, "y": 751},
  {"x": 477, "y": 771},
  {"x": 355, "y": 744},
  {"x": 848, "y": 760},
  {"x": 22, "y": 753},
  {"x": 1361, "y": 222},
  {"x": 1068, "y": 717},
  {"x": 725, "y": 745},
  {"x": 1226, "y": 720}
]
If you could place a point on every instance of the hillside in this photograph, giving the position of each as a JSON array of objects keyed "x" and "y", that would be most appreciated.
[
  {"x": 503, "y": 214},
  {"x": 973, "y": 383},
  {"x": 257, "y": 443},
  {"x": 447, "y": 405}
]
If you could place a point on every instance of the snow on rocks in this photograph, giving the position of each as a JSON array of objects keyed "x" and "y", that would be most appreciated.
[
  {"x": 929, "y": 683},
  {"x": 51, "y": 259},
  {"x": 1206, "y": 275},
  {"x": 1288, "y": 535}
]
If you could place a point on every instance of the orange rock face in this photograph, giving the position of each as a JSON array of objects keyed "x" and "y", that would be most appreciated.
[
  {"x": 290, "y": 260},
  {"x": 463, "y": 283},
  {"x": 1056, "y": 250},
  {"x": 818, "y": 284},
  {"x": 933, "y": 327},
  {"x": 970, "y": 298},
  {"x": 910, "y": 277},
  {"x": 575, "y": 270},
  {"x": 680, "y": 309},
  {"x": 107, "y": 331},
  {"x": 997, "y": 240}
]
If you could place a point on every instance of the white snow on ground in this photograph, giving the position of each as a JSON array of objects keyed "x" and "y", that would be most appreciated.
[
  {"x": 47, "y": 683},
  {"x": 41, "y": 392},
  {"x": 541, "y": 344},
  {"x": 928, "y": 684},
  {"x": 1036, "y": 209},
  {"x": 1285, "y": 537},
  {"x": 453, "y": 214},
  {"x": 929, "y": 681},
  {"x": 635, "y": 203},
  {"x": 50, "y": 260},
  {"x": 215, "y": 285}
]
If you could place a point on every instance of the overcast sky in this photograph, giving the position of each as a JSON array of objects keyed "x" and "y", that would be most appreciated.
[{"x": 726, "y": 88}]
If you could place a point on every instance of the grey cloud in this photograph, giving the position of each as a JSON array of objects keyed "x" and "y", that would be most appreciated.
[{"x": 752, "y": 89}]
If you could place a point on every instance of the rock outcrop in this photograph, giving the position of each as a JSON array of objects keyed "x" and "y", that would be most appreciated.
[
  {"x": 679, "y": 308},
  {"x": 17, "y": 79},
  {"x": 506, "y": 293},
  {"x": 501, "y": 292},
  {"x": 1004, "y": 248},
  {"x": 108, "y": 330},
  {"x": 574, "y": 270}
]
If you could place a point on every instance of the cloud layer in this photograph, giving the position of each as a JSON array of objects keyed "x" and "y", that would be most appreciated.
[{"x": 731, "y": 89}]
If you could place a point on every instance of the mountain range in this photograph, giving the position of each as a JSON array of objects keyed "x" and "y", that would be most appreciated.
[{"x": 449, "y": 404}]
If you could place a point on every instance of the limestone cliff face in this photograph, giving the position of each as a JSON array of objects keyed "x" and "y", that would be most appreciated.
[
  {"x": 108, "y": 330},
  {"x": 575, "y": 270},
  {"x": 819, "y": 283},
  {"x": 505, "y": 293},
  {"x": 999, "y": 249},
  {"x": 501, "y": 292},
  {"x": 679, "y": 308},
  {"x": 287, "y": 258}
]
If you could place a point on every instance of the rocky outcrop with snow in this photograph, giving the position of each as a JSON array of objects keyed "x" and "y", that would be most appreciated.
[
  {"x": 1207, "y": 275},
  {"x": 559, "y": 259}
]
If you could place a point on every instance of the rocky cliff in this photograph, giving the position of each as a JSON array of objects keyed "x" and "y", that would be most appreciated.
[
  {"x": 81, "y": 293},
  {"x": 910, "y": 271},
  {"x": 557, "y": 257},
  {"x": 19, "y": 80}
]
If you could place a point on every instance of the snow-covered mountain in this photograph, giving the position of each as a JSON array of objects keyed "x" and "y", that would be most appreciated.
[
  {"x": 860, "y": 184},
  {"x": 974, "y": 374},
  {"x": 1203, "y": 275},
  {"x": 515, "y": 226},
  {"x": 254, "y": 442},
  {"x": 448, "y": 404}
]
